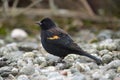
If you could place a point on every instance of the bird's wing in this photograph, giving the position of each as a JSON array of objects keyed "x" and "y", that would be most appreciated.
[{"x": 62, "y": 39}]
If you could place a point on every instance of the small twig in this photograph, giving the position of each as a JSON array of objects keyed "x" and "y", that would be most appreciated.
[
  {"x": 87, "y": 6},
  {"x": 14, "y": 6},
  {"x": 31, "y": 5},
  {"x": 5, "y": 8},
  {"x": 53, "y": 6}
]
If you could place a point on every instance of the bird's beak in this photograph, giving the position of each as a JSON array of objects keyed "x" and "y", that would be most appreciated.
[{"x": 39, "y": 23}]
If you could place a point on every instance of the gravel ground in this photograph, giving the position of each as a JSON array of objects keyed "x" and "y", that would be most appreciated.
[{"x": 23, "y": 58}]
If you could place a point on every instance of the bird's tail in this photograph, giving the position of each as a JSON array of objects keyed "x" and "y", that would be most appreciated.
[{"x": 83, "y": 53}]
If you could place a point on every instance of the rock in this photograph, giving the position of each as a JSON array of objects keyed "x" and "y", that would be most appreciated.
[
  {"x": 14, "y": 56},
  {"x": 38, "y": 77},
  {"x": 116, "y": 78},
  {"x": 48, "y": 69},
  {"x": 107, "y": 58},
  {"x": 73, "y": 70},
  {"x": 61, "y": 66},
  {"x": 55, "y": 76},
  {"x": 78, "y": 76},
  {"x": 51, "y": 59},
  {"x": 110, "y": 74},
  {"x": 39, "y": 60},
  {"x": 27, "y": 70},
  {"x": 1, "y": 78},
  {"x": 23, "y": 77},
  {"x": 71, "y": 58},
  {"x": 112, "y": 65},
  {"x": 3, "y": 61},
  {"x": 21, "y": 63},
  {"x": 116, "y": 34},
  {"x": 103, "y": 52},
  {"x": 118, "y": 44},
  {"x": 85, "y": 35},
  {"x": 105, "y": 34},
  {"x": 19, "y": 34},
  {"x": 14, "y": 71},
  {"x": 64, "y": 72},
  {"x": 116, "y": 54},
  {"x": 108, "y": 44},
  {"x": 97, "y": 74},
  {"x": 118, "y": 69},
  {"x": 104, "y": 75},
  {"x": 5, "y": 71},
  {"x": 82, "y": 67},
  {"x": 2, "y": 42},
  {"x": 29, "y": 55},
  {"x": 51, "y": 68},
  {"x": 8, "y": 48},
  {"x": 27, "y": 46},
  {"x": 92, "y": 66}
]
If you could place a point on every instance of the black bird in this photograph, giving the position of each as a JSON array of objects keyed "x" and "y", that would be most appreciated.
[{"x": 59, "y": 43}]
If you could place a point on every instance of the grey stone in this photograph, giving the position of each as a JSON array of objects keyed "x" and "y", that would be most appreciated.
[
  {"x": 55, "y": 76},
  {"x": 8, "y": 48},
  {"x": 23, "y": 77},
  {"x": 78, "y": 76},
  {"x": 107, "y": 58},
  {"x": 28, "y": 70},
  {"x": 5, "y": 71},
  {"x": 105, "y": 34},
  {"x": 1, "y": 78},
  {"x": 27, "y": 46}
]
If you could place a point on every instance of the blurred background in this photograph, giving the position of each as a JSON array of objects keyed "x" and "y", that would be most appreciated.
[{"x": 71, "y": 15}]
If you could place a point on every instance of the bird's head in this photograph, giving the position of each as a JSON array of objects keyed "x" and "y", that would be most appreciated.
[{"x": 46, "y": 24}]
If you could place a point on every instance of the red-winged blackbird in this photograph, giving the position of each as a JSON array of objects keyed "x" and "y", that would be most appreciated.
[{"x": 58, "y": 42}]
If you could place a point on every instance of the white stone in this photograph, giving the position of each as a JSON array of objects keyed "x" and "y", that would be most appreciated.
[{"x": 18, "y": 34}]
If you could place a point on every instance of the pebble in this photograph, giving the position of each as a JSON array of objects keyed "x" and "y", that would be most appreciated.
[
  {"x": 23, "y": 77},
  {"x": 8, "y": 48},
  {"x": 14, "y": 56},
  {"x": 39, "y": 60},
  {"x": 82, "y": 67},
  {"x": 15, "y": 71},
  {"x": 64, "y": 72},
  {"x": 27, "y": 70},
  {"x": 3, "y": 62},
  {"x": 107, "y": 58},
  {"x": 27, "y": 46},
  {"x": 2, "y": 42},
  {"x": 1, "y": 78},
  {"x": 62, "y": 66},
  {"x": 38, "y": 77},
  {"x": 85, "y": 35},
  {"x": 19, "y": 34},
  {"x": 55, "y": 76},
  {"x": 118, "y": 69},
  {"x": 112, "y": 65},
  {"x": 116, "y": 78},
  {"x": 29, "y": 54},
  {"x": 5, "y": 71},
  {"x": 51, "y": 59},
  {"x": 105, "y": 34},
  {"x": 103, "y": 52},
  {"x": 116, "y": 34},
  {"x": 97, "y": 75},
  {"x": 108, "y": 44},
  {"x": 78, "y": 76}
]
